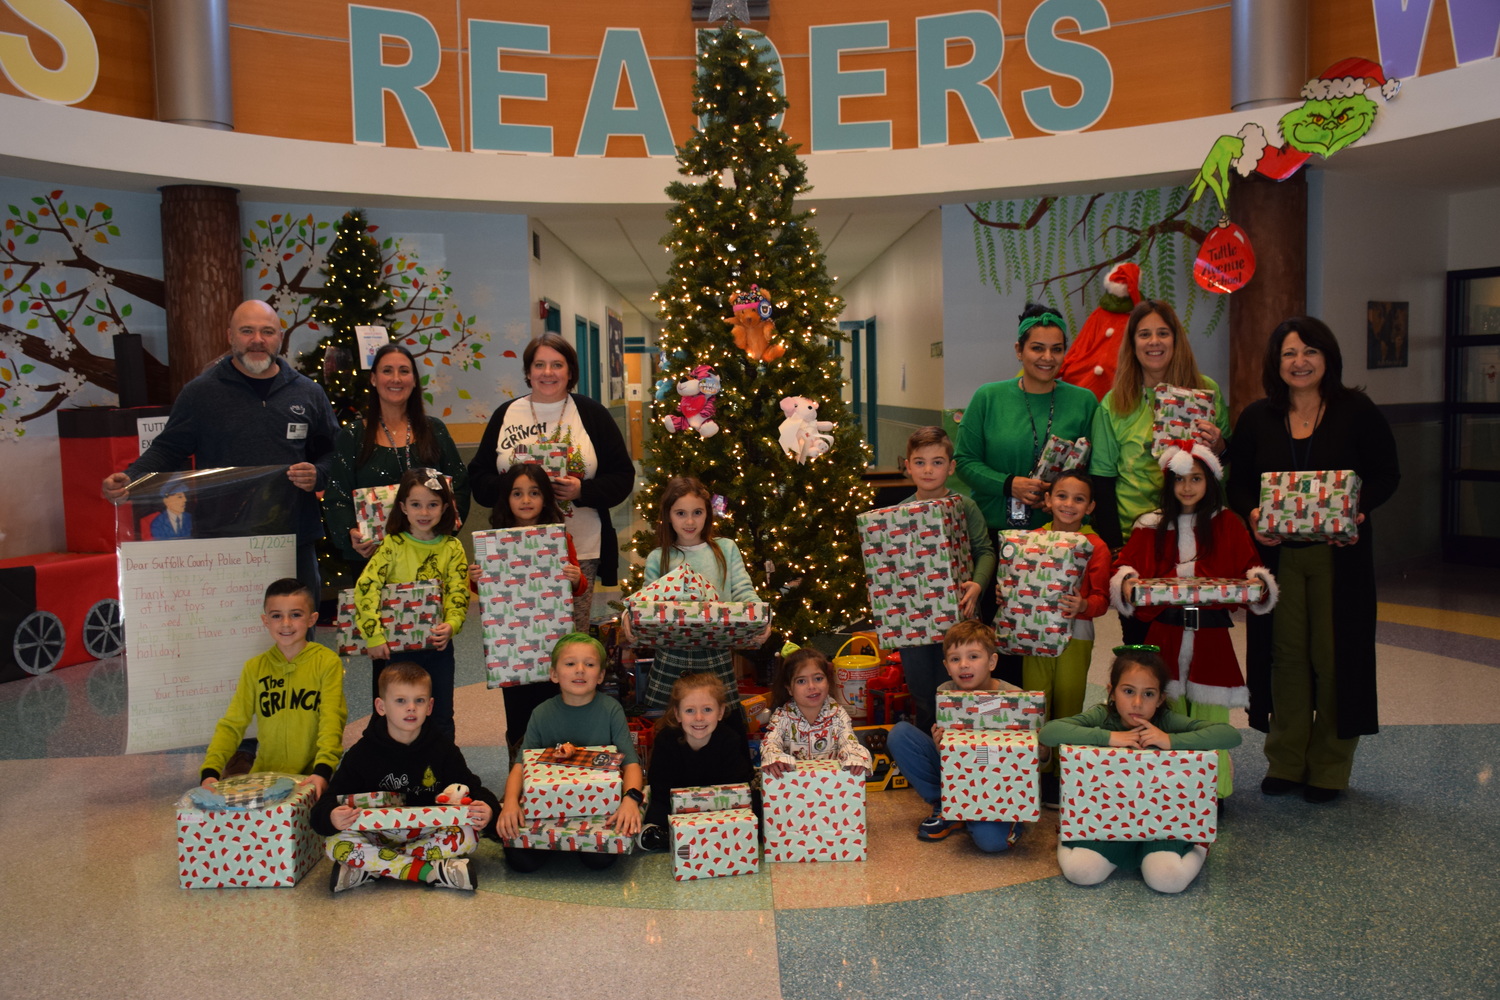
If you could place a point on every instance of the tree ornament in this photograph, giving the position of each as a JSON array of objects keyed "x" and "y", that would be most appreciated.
[
  {"x": 802, "y": 433},
  {"x": 751, "y": 324},
  {"x": 1226, "y": 260},
  {"x": 695, "y": 406}
]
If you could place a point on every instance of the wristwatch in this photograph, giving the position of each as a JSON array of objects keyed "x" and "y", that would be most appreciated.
[{"x": 635, "y": 793}]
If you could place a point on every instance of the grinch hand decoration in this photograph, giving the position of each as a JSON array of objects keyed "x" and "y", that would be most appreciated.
[
  {"x": 802, "y": 433},
  {"x": 695, "y": 406},
  {"x": 1091, "y": 361},
  {"x": 751, "y": 325},
  {"x": 1338, "y": 110}
]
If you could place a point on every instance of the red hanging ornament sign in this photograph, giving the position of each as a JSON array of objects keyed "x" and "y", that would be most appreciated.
[{"x": 1226, "y": 260}]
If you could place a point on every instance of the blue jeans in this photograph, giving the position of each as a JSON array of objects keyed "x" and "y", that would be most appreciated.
[{"x": 918, "y": 757}]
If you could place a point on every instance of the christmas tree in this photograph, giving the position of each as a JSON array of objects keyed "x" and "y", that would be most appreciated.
[
  {"x": 354, "y": 294},
  {"x": 741, "y": 249}
]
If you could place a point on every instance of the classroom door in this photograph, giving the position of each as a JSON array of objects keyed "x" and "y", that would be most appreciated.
[
  {"x": 857, "y": 358},
  {"x": 586, "y": 342}
]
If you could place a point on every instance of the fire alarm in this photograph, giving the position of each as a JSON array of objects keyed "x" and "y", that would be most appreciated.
[{"x": 542, "y": 308}]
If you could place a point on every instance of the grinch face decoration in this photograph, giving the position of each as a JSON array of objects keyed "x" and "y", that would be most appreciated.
[{"x": 1325, "y": 127}]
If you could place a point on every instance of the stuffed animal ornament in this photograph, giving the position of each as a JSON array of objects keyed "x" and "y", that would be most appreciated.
[
  {"x": 751, "y": 325},
  {"x": 695, "y": 405},
  {"x": 803, "y": 435}
]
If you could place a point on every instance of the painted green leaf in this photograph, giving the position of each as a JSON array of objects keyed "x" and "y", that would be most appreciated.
[{"x": 125, "y": 310}]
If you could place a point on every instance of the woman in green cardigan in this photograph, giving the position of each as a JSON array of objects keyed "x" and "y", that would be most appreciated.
[{"x": 395, "y": 435}]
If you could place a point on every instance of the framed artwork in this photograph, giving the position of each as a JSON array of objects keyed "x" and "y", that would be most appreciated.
[{"x": 1386, "y": 329}]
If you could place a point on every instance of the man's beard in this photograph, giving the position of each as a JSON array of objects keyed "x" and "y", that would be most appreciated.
[{"x": 254, "y": 367}]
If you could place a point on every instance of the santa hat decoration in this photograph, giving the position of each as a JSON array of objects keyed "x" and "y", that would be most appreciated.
[
  {"x": 1348, "y": 77},
  {"x": 1178, "y": 456},
  {"x": 1125, "y": 282}
]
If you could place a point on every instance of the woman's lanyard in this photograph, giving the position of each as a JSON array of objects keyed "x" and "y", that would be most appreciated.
[
  {"x": 1036, "y": 445},
  {"x": 403, "y": 455}
]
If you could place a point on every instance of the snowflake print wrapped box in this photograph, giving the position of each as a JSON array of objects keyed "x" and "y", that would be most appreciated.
[
  {"x": 255, "y": 848},
  {"x": 525, "y": 600},
  {"x": 410, "y": 818},
  {"x": 1059, "y": 454},
  {"x": 1176, "y": 409},
  {"x": 990, "y": 775},
  {"x": 915, "y": 555},
  {"x": 588, "y": 834},
  {"x": 373, "y": 506},
  {"x": 407, "y": 613},
  {"x": 710, "y": 798},
  {"x": 1036, "y": 569},
  {"x": 814, "y": 812},
  {"x": 1116, "y": 793},
  {"x": 698, "y": 624},
  {"x": 991, "y": 709},
  {"x": 713, "y": 844},
  {"x": 1310, "y": 506},
  {"x": 557, "y": 791},
  {"x": 1197, "y": 590}
]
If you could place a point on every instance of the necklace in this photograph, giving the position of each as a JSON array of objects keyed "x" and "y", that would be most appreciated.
[{"x": 403, "y": 458}]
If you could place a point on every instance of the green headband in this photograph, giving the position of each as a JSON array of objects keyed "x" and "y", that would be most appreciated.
[
  {"x": 1144, "y": 647},
  {"x": 1045, "y": 319}
]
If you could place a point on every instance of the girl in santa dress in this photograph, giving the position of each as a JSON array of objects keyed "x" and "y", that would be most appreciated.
[{"x": 1193, "y": 535}]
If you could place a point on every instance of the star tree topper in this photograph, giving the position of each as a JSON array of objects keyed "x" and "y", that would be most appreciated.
[{"x": 738, "y": 10}]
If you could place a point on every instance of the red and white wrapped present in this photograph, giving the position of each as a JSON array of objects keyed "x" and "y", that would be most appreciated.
[
  {"x": 1176, "y": 409},
  {"x": 558, "y": 791},
  {"x": 814, "y": 812},
  {"x": 990, "y": 774},
  {"x": 1310, "y": 506},
  {"x": 710, "y": 798},
  {"x": 408, "y": 611},
  {"x": 680, "y": 583},
  {"x": 915, "y": 556},
  {"x": 525, "y": 600},
  {"x": 1201, "y": 591},
  {"x": 714, "y": 844},
  {"x": 410, "y": 818},
  {"x": 991, "y": 709},
  {"x": 273, "y": 846},
  {"x": 588, "y": 834},
  {"x": 1118, "y": 793},
  {"x": 1036, "y": 570}
]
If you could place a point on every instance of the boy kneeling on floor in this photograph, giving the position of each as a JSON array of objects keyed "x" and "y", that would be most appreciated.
[{"x": 399, "y": 753}]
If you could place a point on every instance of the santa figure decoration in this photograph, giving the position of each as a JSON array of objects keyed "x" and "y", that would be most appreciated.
[{"x": 1091, "y": 361}]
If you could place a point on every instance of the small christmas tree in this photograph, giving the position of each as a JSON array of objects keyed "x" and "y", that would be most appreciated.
[
  {"x": 354, "y": 294},
  {"x": 741, "y": 249}
]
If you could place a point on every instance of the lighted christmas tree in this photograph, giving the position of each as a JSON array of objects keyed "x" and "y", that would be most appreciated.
[
  {"x": 736, "y": 234},
  {"x": 354, "y": 294}
]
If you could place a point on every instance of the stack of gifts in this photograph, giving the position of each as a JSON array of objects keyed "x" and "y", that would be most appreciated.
[
  {"x": 1176, "y": 409},
  {"x": 681, "y": 610},
  {"x": 1059, "y": 454},
  {"x": 1036, "y": 569},
  {"x": 565, "y": 805},
  {"x": 1200, "y": 591},
  {"x": 269, "y": 845},
  {"x": 373, "y": 506},
  {"x": 915, "y": 555},
  {"x": 407, "y": 613},
  {"x": 990, "y": 775},
  {"x": 525, "y": 600},
  {"x": 814, "y": 812},
  {"x": 991, "y": 709},
  {"x": 1118, "y": 793},
  {"x": 713, "y": 832},
  {"x": 1310, "y": 506}
]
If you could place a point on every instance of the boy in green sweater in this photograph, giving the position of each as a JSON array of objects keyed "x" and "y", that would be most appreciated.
[{"x": 295, "y": 688}]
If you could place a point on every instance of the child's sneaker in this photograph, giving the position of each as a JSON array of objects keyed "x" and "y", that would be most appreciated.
[
  {"x": 345, "y": 877},
  {"x": 651, "y": 838},
  {"x": 452, "y": 873},
  {"x": 934, "y": 827}
]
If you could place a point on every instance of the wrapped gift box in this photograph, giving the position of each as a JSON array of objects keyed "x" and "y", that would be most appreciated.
[
  {"x": 990, "y": 775},
  {"x": 1176, "y": 409},
  {"x": 373, "y": 506},
  {"x": 558, "y": 791},
  {"x": 407, "y": 613},
  {"x": 1197, "y": 590},
  {"x": 525, "y": 600},
  {"x": 680, "y": 583},
  {"x": 698, "y": 624},
  {"x": 273, "y": 846},
  {"x": 713, "y": 844},
  {"x": 814, "y": 812},
  {"x": 589, "y": 834},
  {"x": 916, "y": 555},
  {"x": 1116, "y": 793},
  {"x": 1059, "y": 454},
  {"x": 991, "y": 709},
  {"x": 642, "y": 737},
  {"x": 710, "y": 798},
  {"x": 410, "y": 817},
  {"x": 1310, "y": 506},
  {"x": 1036, "y": 569}
]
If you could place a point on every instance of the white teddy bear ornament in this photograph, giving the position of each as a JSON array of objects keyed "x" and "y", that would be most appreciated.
[{"x": 802, "y": 433}]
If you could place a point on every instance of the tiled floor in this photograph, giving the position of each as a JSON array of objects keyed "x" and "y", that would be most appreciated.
[{"x": 1389, "y": 893}]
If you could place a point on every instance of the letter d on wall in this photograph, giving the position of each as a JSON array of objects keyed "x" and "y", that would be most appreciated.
[{"x": 72, "y": 81}]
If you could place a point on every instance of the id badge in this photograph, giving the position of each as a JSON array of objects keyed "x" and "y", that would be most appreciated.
[
  {"x": 296, "y": 432},
  {"x": 1020, "y": 514}
]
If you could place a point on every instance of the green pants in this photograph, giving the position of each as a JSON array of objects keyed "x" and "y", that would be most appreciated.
[
  {"x": 1303, "y": 744},
  {"x": 1210, "y": 713},
  {"x": 1064, "y": 679}
]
